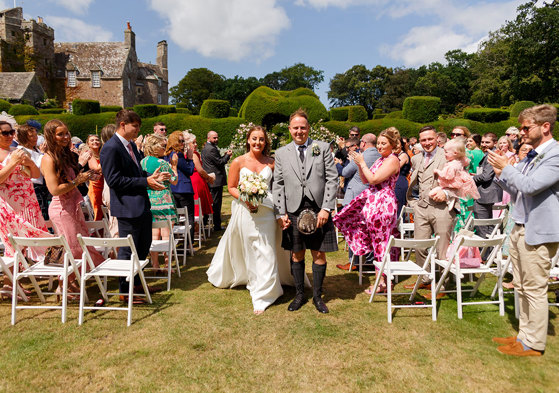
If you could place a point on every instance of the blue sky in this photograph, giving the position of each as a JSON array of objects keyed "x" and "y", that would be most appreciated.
[{"x": 256, "y": 37}]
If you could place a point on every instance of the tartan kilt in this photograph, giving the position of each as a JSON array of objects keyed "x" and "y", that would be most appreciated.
[{"x": 324, "y": 239}]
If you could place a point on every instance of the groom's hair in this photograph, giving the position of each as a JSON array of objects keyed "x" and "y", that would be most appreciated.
[{"x": 299, "y": 113}]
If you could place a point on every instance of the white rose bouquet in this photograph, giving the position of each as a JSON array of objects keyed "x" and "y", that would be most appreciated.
[{"x": 252, "y": 189}]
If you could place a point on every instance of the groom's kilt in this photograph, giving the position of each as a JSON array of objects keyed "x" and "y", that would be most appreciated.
[{"x": 324, "y": 239}]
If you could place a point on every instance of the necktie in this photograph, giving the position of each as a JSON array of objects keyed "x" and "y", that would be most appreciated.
[
  {"x": 529, "y": 157},
  {"x": 302, "y": 152},
  {"x": 132, "y": 153},
  {"x": 427, "y": 159}
]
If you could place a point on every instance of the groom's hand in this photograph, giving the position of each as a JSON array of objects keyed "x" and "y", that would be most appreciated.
[
  {"x": 284, "y": 222},
  {"x": 322, "y": 218}
]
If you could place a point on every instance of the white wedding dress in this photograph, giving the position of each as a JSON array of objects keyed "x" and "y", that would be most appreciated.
[{"x": 250, "y": 252}]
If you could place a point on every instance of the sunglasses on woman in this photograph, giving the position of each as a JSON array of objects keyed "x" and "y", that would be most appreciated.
[{"x": 8, "y": 133}]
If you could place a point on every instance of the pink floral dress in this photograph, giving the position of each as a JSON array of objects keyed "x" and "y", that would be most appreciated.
[
  {"x": 371, "y": 217},
  {"x": 20, "y": 213}
]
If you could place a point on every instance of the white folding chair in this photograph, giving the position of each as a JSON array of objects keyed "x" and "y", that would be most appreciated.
[
  {"x": 68, "y": 267},
  {"x": 87, "y": 209},
  {"x": 496, "y": 223},
  {"x": 406, "y": 268},
  {"x": 182, "y": 232},
  {"x": 405, "y": 226},
  {"x": 199, "y": 219},
  {"x": 112, "y": 268},
  {"x": 169, "y": 246},
  {"x": 5, "y": 264},
  {"x": 452, "y": 266}
]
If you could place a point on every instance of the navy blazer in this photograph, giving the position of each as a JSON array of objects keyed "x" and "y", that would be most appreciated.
[
  {"x": 185, "y": 169},
  {"x": 127, "y": 181}
]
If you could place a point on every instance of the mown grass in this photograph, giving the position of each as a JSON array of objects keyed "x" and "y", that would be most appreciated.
[{"x": 201, "y": 339}]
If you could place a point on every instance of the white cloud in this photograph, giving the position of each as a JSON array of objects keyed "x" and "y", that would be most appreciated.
[
  {"x": 76, "y": 6},
  {"x": 76, "y": 30},
  {"x": 232, "y": 30},
  {"x": 320, "y": 4}
]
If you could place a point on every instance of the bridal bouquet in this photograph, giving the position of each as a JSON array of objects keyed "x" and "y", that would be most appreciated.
[{"x": 252, "y": 189}]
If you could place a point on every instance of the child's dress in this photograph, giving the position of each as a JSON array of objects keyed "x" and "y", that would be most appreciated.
[{"x": 454, "y": 176}]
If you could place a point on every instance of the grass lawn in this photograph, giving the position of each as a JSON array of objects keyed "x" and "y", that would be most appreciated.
[{"x": 202, "y": 339}]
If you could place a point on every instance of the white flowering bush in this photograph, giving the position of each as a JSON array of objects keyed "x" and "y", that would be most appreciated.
[{"x": 252, "y": 189}]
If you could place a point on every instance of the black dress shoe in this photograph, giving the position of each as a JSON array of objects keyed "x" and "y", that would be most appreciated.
[
  {"x": 320, "y": 306},
  {"x": 297, "y": 303}
]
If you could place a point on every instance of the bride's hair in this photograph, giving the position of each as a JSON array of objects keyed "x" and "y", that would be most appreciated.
[{"x": 268, "y": 146}]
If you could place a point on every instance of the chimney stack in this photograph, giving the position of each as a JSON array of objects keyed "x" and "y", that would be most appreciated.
[
  {"x": 129, "y": 37},
  {"x": 161, "y": 60}
]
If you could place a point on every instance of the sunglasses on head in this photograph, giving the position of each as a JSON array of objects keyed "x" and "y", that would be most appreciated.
[{"x": 8, "y": 133}]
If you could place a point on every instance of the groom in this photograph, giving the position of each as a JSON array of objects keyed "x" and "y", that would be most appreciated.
[{"x": 305, "y": 177}]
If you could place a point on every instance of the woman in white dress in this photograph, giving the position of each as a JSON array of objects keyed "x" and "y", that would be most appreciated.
[{"x": 249, "y": 252}]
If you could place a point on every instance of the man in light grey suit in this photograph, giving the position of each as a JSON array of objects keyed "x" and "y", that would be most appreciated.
[
  {"x": 534, "y": 189},
  {"x": 305, "y": 177},
  {"x": 489, "y": 192},
  {"x": 354, "y": 184}
]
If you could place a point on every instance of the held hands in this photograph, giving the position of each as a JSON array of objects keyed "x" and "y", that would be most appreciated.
[
  {"x": 284, "y": 222},
  {"x": 155, "y": 181},
  {"x": 322, "y": 218}
]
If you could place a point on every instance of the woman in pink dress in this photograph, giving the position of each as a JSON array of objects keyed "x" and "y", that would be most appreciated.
[
  {"x": 199, "y": 178},
  {"x": 370, "y": 218},
  {"x": 62, "y": 175},
  {"x": 20, "y": 213}
]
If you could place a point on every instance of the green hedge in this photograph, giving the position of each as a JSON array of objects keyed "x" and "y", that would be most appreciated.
[
  {"x": 22, "y": 109},
  {"x": 85, "y": 107},
  {"x": 357, "y": 113},
  {"x": 421, "y": 109},
  {"x": 486, "y": 115},
  {"x": 184, "y": 111},
  {"x": 165, "y": 109},
  {"x": 110, "y": 108},
  {"x": 339, "y": 114},
  {"x": 395, "y": 115},
  {"x": 146, "y": 110},
  {"x": 379, "y": 116},
  {"x": 5, "y": 106},
  {"x": 264, "y": 103},
  {"x": 519, "y": 106},
  {"x": 233, "y": 112},
  {"x": 52, "y": 110},
  {"x": 181, "y": 105},
  {"x": 215, "y": 109}
]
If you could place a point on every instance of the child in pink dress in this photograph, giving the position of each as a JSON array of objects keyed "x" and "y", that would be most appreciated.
[{"x": 453, "y": 177}]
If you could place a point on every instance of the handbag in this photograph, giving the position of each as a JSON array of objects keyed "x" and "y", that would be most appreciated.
[{"x": 54, "y": 256}]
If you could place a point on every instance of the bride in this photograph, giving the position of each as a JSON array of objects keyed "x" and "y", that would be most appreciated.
[{"x": 249, "y": 252}]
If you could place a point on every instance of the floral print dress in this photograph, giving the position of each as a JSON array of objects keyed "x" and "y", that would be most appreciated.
[
  {"x": 162, "y": 202},
  {"x": 20, "y": 213},
  {"x": 371, "y": 217}
]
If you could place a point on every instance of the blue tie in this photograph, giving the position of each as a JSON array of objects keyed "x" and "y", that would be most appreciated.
[{"x": 531, "y": 154}]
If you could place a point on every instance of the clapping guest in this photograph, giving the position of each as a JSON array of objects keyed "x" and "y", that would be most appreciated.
[
  {"x": 200, "y": 178},
  {"x": 162, "y": 203},
  {"x": 63, "y": 176},
  {"x": 504, "y": 145},
  {"x": 95, "y": 193},
  {"x": 182, "y": 190},
  {"x": 473, "y": 152},
  {"x": 20, "y": 213},
  {"x": 27, "y": 136}
]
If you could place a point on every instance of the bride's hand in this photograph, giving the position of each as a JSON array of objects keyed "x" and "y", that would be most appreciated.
[{"x": 251, "y": 207}]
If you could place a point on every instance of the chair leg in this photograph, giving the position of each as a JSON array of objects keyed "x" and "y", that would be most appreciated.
[
  {"x": 65, "y": 296},
  {"x": 360, "y": 269},
  {"x": 14, "y": 294},
  {"x": 389, "y": 298},
  {"x": 433, "y": 300},
  {"x": 131, "y": 299},
  {"x": 82, "y": 299},
  {"x": 459, "y": 294}
]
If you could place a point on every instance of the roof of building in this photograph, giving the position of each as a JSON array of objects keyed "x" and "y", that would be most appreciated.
[
  {"x": 13, "y": 85},
  {"x": 149, "y": 71},
  {"x": 108, "y": 57}
]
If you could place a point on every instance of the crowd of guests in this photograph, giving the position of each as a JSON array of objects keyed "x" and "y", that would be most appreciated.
[{"x": 444, "y": 178}]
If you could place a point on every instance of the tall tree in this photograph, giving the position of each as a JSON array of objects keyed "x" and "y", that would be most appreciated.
[
  {"x": 400, "y": 84},
  {"x": 290, "y": 78},
  {"x": 237, "y": 89},
  {"x": 195, "y": 87}
]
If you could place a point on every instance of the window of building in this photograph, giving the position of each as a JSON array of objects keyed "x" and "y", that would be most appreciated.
[
  {"x": 129, "y": 84},
  {"x": 71, "y": 78},
  {"x": 96, "y": 78},
  {"x": 139, "y": 90},
  {"x": 13, "y": 33},
  {"x": 159, "y": 83},
  {"x": 44, "y": 41},
  {"x": 159, "y": 100}
]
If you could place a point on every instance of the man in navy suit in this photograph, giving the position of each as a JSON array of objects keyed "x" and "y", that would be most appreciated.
[{"x": 128, "y": 183}]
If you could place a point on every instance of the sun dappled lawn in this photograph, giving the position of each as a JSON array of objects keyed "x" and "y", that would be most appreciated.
[{"x": 199, "y": 338}]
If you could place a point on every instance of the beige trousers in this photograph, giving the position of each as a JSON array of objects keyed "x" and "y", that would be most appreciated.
[{"x": 531, "y": 266}]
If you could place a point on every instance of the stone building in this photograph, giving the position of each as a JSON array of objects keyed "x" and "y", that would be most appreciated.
[
  {"x": 21, "y": 87},
  {"x": 108, "y": 72}
]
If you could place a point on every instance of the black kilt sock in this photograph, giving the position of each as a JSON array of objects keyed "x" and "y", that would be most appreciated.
[
  {"x": 318, "y": 274},
  {"x": 298, "y": 273}
]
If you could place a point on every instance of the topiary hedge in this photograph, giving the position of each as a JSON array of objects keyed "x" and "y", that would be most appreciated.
[
  {"x": 22, "y": 109},
  {"x": 339, "y": 114},
  {"x": 421, "y": 109},
  {"x": 394, "y": 115},
  {"x": 233, "y": 112},
  {"x": 146, "y": 110},
  {"x": 185, "y": 111},
  {"x": 264, "y": 103},
  {"x": 5, "y": 106},
  {"x": 357, "y": 113},
  {"x": 215, "y": 109},
  {"x": 181, "y": 105},
  {"x": 110, "y": 108},
  {"x": 52, "y": 110},
  {"x": 486, "y": 115},
  {"x": 379, "y": 116},
  {"x": 519, "y": 106},
  {"x": 85, "y": 107},
  {"x": 164, "y": 109}
]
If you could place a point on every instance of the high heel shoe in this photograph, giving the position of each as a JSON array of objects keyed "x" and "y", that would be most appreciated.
[
  {"x": 9, "y": 296},
  {"x": 58, "y": 294}
]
